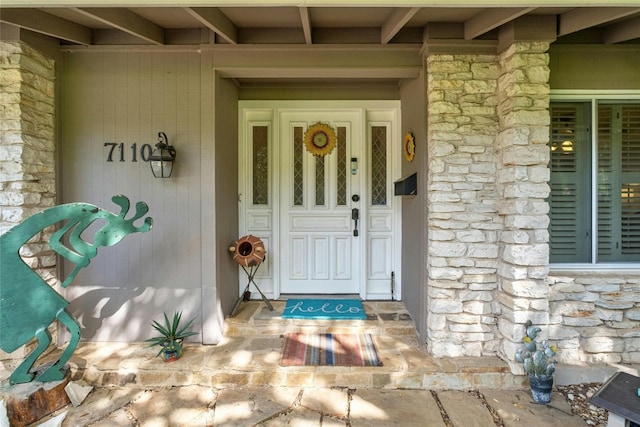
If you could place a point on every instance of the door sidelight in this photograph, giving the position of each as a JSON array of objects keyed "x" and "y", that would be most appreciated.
[{"x": 355, "y": 215}]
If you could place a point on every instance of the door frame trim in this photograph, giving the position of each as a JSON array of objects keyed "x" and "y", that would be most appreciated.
[{"x": 269, "y": 277}]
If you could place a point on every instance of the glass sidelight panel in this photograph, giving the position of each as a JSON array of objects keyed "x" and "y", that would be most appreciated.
[
  {"x": 319, "y": 180},
  {"x": 298, "y": 170},
  {"x": 260, "y": 165},
  {"x": 379, "y": 165},
  {"x": 341, "y": 172}
]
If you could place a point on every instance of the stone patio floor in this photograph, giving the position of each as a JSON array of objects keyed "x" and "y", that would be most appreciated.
[{"x": 239, "y": 382}]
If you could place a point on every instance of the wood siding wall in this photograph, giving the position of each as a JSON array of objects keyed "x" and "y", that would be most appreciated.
[
  {"x": 128, "y": 97},
  {"x": 594, "y": 68}
]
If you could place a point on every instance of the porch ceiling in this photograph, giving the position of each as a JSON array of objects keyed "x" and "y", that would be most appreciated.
[{"x": 315, "y": 25}]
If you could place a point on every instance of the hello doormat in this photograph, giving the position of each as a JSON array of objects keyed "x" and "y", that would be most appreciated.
[
  {"x": 329, "y": 350},
  {"x": 338, "y": 309}
]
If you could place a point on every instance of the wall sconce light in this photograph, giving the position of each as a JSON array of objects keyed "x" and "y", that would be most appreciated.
[{"x": 162, "y": 157}]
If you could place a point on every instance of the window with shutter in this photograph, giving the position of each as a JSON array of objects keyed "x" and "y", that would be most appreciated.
[
  {"x": 630, "y": 183},
  {"x": 570, "y": 197},
  {"x": 616, "y": 180}
]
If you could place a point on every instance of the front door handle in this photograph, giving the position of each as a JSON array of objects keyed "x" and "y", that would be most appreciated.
[{"x": 355, "y": 215}]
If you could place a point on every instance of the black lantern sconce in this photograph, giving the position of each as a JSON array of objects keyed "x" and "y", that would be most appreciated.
[{"x": 162, "y": 157}]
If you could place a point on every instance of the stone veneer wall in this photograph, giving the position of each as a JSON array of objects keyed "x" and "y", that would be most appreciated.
[
  {"x": 463, "y": 224},
  {"x": 595, "y": 316},
  {"x": 27, "y": 148},
  {"x": 488, "y": 129}
]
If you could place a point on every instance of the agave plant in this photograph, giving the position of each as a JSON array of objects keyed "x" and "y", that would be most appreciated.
[
  {"x": 540, "y": 362},
  {"x": 172, "y": 334}
]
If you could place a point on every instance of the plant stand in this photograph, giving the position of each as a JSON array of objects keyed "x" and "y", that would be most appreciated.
[{"x": 251, "y": 272}]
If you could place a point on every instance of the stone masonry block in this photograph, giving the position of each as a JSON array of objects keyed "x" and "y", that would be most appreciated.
[
  {"x": 572, "y": 308},
  {"x": 526, "y": 255},
  {"x": 476, "y": 307},
  {"x": 482, "y": 251},
  {"x": 559, "y": 332},
  {"x": 513, "y": 303},
  {"x": 447, "y": 284},
  {"x": 444, "y": 306},
  {"x": 582, "y": 322},
  {"x": 527, "y": 189},
  {"x": 538, "y": 272},
  {"x": 470, "y": 236},
  {"x": 447, "y": 249},
  {"x": 436, "y": 322},
  {"x": 528, "y": 222},
  {"x": 603, "y": 345},
  {"x": 633, "y": 314},
  {"x": 445, "y": 273},
  {"x": 632, "y": 344},
  {"x": 525, "y": 155},
  {"x": 525, "y": 288},
  {"x": 521, "y": 316},
  {"x": 512, "y": 272}
]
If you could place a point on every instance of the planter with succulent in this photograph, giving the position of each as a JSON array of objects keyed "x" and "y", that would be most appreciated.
[
  {"x": 539, "y": 364},
  {"x": 171, "y": 338}
]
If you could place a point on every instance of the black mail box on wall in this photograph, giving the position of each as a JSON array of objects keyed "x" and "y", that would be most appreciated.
[{"x": 407, "y": 186}]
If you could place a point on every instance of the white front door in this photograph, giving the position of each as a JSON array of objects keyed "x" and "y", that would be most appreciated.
[
  {"x": 302, "y": 200},
  {"x": 320, "y": 237}
]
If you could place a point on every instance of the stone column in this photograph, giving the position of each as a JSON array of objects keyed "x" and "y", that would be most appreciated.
[
  {"x": 27, "y": 147},
  {"x": 462, "y": 222},
  {"x": 522, "y": 183}
]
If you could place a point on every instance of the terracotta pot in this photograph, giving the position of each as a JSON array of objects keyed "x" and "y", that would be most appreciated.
[{"x": 248, "y": 250}]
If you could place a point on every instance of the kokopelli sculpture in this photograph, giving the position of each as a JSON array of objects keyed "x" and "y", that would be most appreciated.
[{"x": 28, "y": 305}]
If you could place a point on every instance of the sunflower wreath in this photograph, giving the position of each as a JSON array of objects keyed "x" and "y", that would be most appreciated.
[
  {"x": 409, "y": 146},
  {"x": 320, "y": 139}
]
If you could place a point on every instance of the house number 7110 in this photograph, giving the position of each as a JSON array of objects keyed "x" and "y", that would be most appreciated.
[{"x": 145, "y": 151}]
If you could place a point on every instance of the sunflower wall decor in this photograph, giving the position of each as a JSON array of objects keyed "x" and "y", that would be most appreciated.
[
  {"x": 409, "y": 146},
  {"x": 320, "y": 139}
]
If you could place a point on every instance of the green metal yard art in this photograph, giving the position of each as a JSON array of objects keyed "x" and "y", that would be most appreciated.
[{"x": 28, "y": 305}]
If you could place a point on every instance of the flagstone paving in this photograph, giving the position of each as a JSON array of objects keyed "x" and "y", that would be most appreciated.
[{"x": 291, "y": 406}]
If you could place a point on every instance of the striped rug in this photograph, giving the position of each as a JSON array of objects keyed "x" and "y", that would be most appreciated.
[{"x": 329, "y": 350}]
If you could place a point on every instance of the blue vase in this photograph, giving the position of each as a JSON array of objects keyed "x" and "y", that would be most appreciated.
[{"x": 541, "y": 387}]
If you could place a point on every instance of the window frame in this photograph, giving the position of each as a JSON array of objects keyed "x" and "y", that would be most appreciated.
[{"x": 594, "y": 97}]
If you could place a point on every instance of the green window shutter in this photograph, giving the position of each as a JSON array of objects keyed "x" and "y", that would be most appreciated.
[
  {"x": 630, "y": 189},
  {"x": 619, "y": 227},
  {"x": 608, "y": 206},
  {"x": 570, "y": 197}
]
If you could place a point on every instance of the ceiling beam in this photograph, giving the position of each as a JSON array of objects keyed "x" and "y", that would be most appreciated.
[
  {"x": 490, "y": 19},
  {"x": 396, "y": 21},
  {"x": 44, "y": 23},
  {"x": 582, "y": 18},
  {"x": 306, "y": 24},
  {"x": 127, "y": 21},
  {"x": 216, "y": 21},
  {"x": 627, "y": 30}
]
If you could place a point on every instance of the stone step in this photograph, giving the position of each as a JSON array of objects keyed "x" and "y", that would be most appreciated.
[{"x": 254, "y": 361}]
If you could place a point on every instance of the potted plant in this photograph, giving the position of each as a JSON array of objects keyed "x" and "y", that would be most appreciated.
[
  {"x": 539, "y": 363},
  {"x": 172, "y": 335}
]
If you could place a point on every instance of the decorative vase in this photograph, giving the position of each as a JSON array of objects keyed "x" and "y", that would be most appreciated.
[
  {"x": 541, "y": 387},
  {"x": 171, "y": 354}
]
